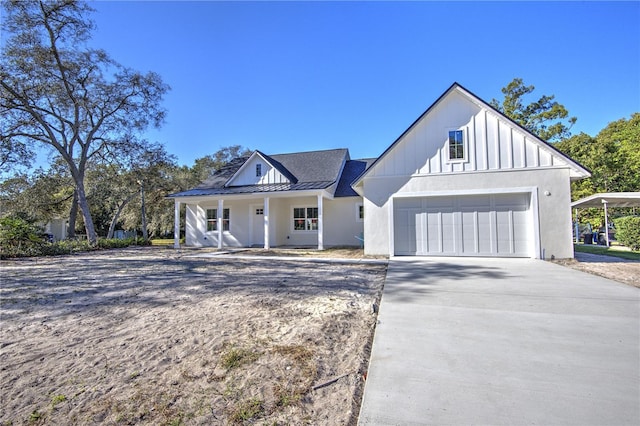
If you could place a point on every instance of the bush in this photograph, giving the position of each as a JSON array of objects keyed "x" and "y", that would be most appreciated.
[
  {"x": 32, "y": 245},
  {"x": 628, "y": 231},
  {"x": 17, "y": 235}
]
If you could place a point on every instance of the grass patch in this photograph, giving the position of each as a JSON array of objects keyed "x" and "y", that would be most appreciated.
[
  {"x": 57, "y": 399},
  {"x": 607, "y": 251},
  {"x": 234, "y": 357},
  {"x": 247, "y": 410},
  {"x": 164, "y": 242},
  {"x": 291, "y": 392}
]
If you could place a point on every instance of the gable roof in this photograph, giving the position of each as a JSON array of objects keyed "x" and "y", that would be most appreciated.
[
  {"x": 312, "y": 170},
  {"x": 577, "y": 169},
  {"x": 273, "y": 163}
]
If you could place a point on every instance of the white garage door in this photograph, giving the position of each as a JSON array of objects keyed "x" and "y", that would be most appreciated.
[{"x": 469, "y": 225}]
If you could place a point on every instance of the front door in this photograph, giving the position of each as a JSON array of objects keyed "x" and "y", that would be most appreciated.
[{"x": 257, "y": 225}]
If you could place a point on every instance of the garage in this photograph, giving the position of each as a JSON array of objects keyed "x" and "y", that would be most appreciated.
[{"x": 464, "y": 225}]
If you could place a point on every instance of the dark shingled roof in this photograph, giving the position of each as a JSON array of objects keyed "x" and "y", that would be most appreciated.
[
  {"x": 305, "y": 170},
  {"x": 352, "y": 169}
]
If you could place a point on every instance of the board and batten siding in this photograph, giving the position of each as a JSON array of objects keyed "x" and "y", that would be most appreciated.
[
  {"x": 247, "y": 175},
  {"x": 492, "y": 143}
]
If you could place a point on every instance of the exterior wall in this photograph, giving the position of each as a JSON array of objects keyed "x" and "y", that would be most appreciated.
[
  {"x": 341, "y": 224},
  {"x": 194, "y": 231},
  {"x": 239, "y": 225},
  {"x": 247, "y": 175},
  {"x": 554, "y": 213},
  {"x": 491, "y": 143}
]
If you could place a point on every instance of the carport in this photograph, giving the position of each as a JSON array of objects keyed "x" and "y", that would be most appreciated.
[{"x": 605, "y": 200}]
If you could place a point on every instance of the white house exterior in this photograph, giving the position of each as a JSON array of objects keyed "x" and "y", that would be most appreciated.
[
  {"x": 298, "y": 199},
  {"x": 462, "y": 180}
]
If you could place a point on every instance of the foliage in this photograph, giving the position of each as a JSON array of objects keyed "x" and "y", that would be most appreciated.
[
  {"x": 16, "y": 234},
  {"x": 613, "y": 157},
  {"x": 203, "y": 167},
  {"x": 628, "y": 231},
  {"x": 39, "y": 247},
  {"x": 59, "y": 94},
  {"x": 41, "y": 196},
  {"x": 544, "y": 117}
]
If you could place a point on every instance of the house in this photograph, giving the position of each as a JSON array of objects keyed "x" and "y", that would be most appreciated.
[
  {"x": 462, "y": 180},
  {"x": 297, "y": 199}
]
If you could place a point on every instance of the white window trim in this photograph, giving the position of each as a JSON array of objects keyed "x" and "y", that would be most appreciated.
[
  {"x": 465, "y": 146},
  {"x": 358, "y": 218},
  {"x": 300, "y": 231},
  {"x": 206, "y": 220}
]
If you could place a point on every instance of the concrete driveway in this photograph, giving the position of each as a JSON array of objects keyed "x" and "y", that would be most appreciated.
[{"x": 503, "y": 342}]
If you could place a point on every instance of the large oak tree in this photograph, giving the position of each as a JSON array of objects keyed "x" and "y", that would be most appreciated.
[
  {"x": 58, "y": 93},
  {"x": 544, "y": 117}
]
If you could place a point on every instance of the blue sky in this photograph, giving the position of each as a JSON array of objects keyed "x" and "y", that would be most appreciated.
[{"x": 293, "y": 76}]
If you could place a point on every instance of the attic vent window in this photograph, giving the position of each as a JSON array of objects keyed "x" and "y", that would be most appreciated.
[
  {"x": 258, "y": 170},
  {"x": 456, "y": 145}
]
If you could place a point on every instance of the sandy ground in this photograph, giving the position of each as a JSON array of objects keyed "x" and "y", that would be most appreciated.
[
  {"x": 614, "y": 268},
  {"x": 151, "y": 336}
]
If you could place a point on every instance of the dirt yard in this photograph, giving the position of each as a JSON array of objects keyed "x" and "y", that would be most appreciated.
[
  {"x": 152, "y": 336},
  {"x": 614, "y": 268}
]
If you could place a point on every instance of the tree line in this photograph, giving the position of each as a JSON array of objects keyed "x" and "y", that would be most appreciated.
[{"x": 88, "y": 112}]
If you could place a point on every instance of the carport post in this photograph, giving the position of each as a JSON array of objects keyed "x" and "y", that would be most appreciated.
[
  {"x": 606, "y": 222},
  {"x": 577, "y": 227},
  {"x": 176, "y": 225}
]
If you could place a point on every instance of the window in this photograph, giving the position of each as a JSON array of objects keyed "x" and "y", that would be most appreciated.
[
  {"x": 212, "y": 216},
  {"x": 258, "y": 170},
  {"x": 359, "y": 212},
  {"x": 456, "y": 145},
  {"x": 305, "y": 218},
  {"x": 259, "y": 211}
]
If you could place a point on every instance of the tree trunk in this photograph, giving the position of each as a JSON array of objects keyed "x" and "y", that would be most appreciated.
[
  {"x": 86, "y": 213},
  {"x": 116, "y": 216},
  {"x": 73, "y": 216},
  {"x": 143, "y": 212}
]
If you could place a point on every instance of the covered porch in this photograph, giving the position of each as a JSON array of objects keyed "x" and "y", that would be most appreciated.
[{"x": 253, "y": 220}]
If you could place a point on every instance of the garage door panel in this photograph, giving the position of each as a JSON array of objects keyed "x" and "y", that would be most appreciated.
[
  {"x": 474, "y": 225},
  {"x": 405, "y": 231},
  {"x": 449, "y": 233},
  {"x": 433, "y": 240},
  {"x": 470, "y": 228},
  {"x": 485, "y": 232}
]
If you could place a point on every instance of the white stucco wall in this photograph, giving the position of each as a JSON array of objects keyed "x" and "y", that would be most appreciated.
[
  {"x": 341, "y": 224},
  {"x": 554, "y": 213}
]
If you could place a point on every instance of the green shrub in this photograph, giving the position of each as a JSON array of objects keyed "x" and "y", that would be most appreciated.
[
  {"x": 628, "y": 231},
  {"x": 16, "y": 241},
  {"x": 18, "y": 235}
]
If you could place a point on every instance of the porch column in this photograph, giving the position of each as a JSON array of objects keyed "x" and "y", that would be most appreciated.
[
  {"x": 266, "y": 223},
  {"x": 320, "y": 227},
  {"x": 219, "y": 219},
  {"x": 176, "y": 225}
]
